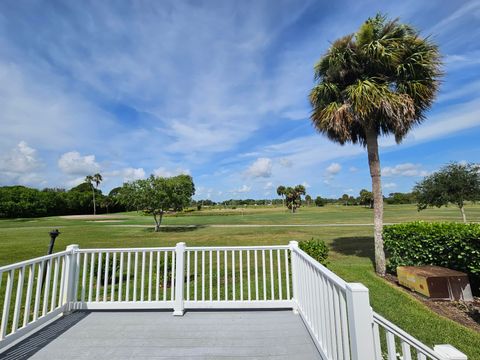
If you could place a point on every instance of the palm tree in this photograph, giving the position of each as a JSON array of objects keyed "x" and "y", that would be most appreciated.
[
  {"x": 281, "y": 192},
  {"x": 94, "y": 179},
  {"x": 378, "y": 81}
]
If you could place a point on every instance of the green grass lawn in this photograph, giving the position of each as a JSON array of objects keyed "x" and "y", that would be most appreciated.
[{"x": 351, "y": 249}]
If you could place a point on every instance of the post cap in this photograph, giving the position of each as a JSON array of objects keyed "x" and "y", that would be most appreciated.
[
  {"x": 293, "y": 243},
  {"x": 357, "y": 287},
  {"x": 54, "y": 233},
  {"x": 449, "y": 352},
  {"x": 72, "y": 247}
]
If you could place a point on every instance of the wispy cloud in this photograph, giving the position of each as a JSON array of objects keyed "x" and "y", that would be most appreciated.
[{"x": 407, "y": 169}]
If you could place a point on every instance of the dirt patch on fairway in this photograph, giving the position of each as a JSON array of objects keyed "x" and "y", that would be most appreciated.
[
  {"x": 464, "y": 313},
  {"x": 95, "y": 217}
]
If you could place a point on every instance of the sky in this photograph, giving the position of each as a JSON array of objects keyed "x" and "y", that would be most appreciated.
[{"x": 214, "y": 89}]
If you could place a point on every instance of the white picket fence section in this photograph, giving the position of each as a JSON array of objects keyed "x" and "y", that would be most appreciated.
[
  {"x": 238, "y": 277},
  {"x": 35, "y": 292},
  {"x": 124, "y": 278},
  {"x": 337, "y": 314}
]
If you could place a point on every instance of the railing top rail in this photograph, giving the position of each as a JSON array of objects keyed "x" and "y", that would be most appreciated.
[
  {"x": 32, "y": 261},
  {"x": 142, "y": 249},
  {"x": 409, "y": 339},
  {"x": 337, "y": 280},
  {"x": 266, "y": 247}
]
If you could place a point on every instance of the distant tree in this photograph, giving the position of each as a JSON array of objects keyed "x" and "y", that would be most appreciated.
[
  {"x": 156, "y": 195},
  {"x": 378, "y": 81},
  {"x": 452, "y": 184},
  {"x": 319, "y": 201},
  {"x": 397, "y": 198},
  {"x": 308, "y": 199},
  {"x": 344, "y": 199},
  {"x": 94, "y": 181},
  {"x": 293, "y": 197},
  {"x": 366, "y": 198},
  {"x": 281, "y": 192}
]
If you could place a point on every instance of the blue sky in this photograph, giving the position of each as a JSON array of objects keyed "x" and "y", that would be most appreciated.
[{"x": 216, "y": 89}]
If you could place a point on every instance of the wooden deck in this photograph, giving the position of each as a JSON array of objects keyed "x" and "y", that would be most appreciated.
[{"x": 159, "y": 335}]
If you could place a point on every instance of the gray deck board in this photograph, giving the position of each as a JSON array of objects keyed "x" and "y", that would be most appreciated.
[{"x": 159, "y": 335}]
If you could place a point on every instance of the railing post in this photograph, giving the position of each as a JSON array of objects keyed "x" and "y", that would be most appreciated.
[
  {"x": 449, "y": 352},
  {"x": 70, "y": 277},
  {"x": 178, "y": 305},
  {"x": 360, "y": 322},
  {"x": 294, "y": 245}
]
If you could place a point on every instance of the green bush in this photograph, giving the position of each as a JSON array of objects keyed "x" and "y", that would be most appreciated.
[
  {"x": 317, "y": 249},
  {"x": 452, "y": 245}
]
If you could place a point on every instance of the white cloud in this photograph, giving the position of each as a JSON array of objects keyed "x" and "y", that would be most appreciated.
[
  {"x": 390, "y": 185},
  {"x": 455, "y": 17},
  {"x": 268, "y": 186},
  {"x": 242, "y": 190},
  {"x": 20, "y": 165},
  {"x": 334, "y": 169},
  {"x": 353, "y": 169},
  {"x": 262, "y": 167},
  {"x": 22, "y": 159},
  {"x": 163, "y": 172},
  {"x": 130, "y": 174},
  {"x": 406, "y": 169},
  {"x": 73, "y": 163},
  {"x": 126, "y": 174}
]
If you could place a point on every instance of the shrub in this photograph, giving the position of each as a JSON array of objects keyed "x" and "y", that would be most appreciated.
[
  {"x": 317, "y": 249},
  {"x": 452, "y": 245}
]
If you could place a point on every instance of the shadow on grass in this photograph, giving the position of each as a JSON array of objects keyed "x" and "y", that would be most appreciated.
[
  {"x": 175, "y": 229},
  {"x": 361, "y": 246}
]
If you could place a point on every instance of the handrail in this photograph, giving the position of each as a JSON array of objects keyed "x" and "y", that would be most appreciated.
[
  {"x": 221, "y": 248},
  {"x": 32, "y": 261},
  {"x": 417, "y": 344},
  {"x": 142, "y": 249},
  {"x": 331, "y": 275}
]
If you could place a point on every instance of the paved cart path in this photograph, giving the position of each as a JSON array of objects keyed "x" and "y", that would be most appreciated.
[{"x": 249, "y": 225}]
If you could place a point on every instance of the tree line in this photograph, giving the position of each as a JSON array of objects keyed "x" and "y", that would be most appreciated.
[{"x": 24, "y": 202}]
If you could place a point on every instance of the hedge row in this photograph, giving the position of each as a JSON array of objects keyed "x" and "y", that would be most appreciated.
[{"x": 452, "y": 245}]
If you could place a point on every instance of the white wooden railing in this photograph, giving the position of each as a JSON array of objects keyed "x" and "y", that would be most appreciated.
[
  {"x": 401, "y": 345},
  {"x": 336, "y": 313},
  {"x": 35, "y": 292}
]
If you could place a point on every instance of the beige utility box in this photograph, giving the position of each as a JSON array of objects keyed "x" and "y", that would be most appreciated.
[{"x": 436, "y": 282}]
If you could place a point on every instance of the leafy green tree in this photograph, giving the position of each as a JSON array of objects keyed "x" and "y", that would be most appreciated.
[
  {"x": 379, "y": 81},
  {"x": 344, "y": 199},
  {"x": 281, "y": 192},
  {"x": 308, "y": 199},
  {"x": 156, "y": 195},
  {"x": 293, "y": 197},
  {"x": 94, "y": 181},
  {"x": 319, "y": 201},
  {"x": 366, "y": 198},
  {"x": 453, "y": 184}
]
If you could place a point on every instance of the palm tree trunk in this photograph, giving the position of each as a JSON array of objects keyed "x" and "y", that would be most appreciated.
[
  {"x": 374, "y": 164},
  {"x": 94, "y": 205},
  {"x": 463, "y": 214}
]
